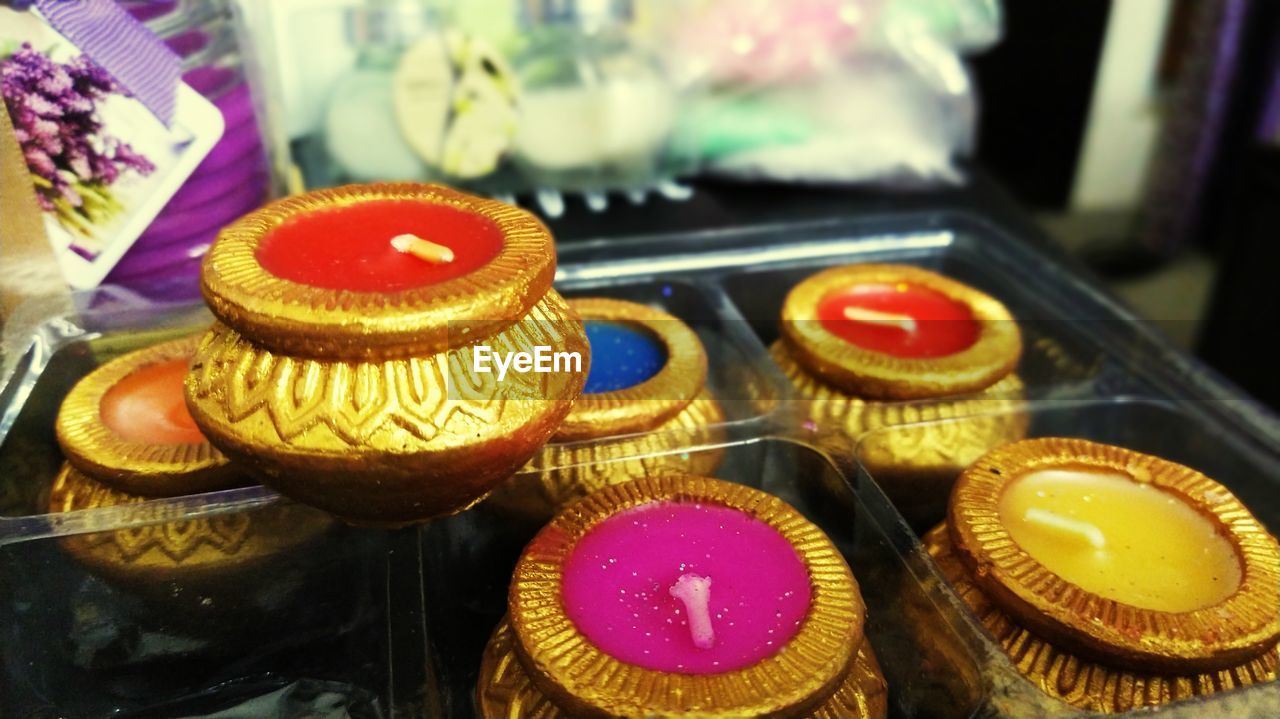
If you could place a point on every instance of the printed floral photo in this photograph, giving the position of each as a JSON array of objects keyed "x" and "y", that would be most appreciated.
[
  {"x": 73, "y": 160},
  {"x": 102, "y": 164}
]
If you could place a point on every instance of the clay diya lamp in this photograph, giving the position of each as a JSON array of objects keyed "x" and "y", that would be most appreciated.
[
  {"x": 647, "y": 383},
  {"x": 872, "y": 346},
  {"x": 126, "y": 425},
  {"x": 1114, "y": 580},
  {"x": 636, "y": 601},
  {"x": 342, "y": 369},
  {"x": 128, "y": 437}
]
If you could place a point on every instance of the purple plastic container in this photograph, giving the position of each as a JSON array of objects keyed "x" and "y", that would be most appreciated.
[{"x": 164, "y": 263}]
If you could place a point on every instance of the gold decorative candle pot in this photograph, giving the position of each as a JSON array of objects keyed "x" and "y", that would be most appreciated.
[
  {"x": 1099, "y": 610},
  {"x": 126, "y": 433},
  {"x": 366, "y": 401},
  {"x": 671, "y": 409},
  {"x": 540, "y": 663},
  {"x": 857, "y": 389}
]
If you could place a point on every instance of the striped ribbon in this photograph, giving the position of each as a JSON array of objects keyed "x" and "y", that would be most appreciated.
[{"x": 124, "y": 47}]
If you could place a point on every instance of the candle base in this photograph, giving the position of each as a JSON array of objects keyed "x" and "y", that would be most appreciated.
[
  {"x": 1064, "y": 675},
  {"x": 672, "y": 407},
  {"x": 564, "y": 472},
  {"x": 388, "y": 442},
  {"x": 191, "y": 571},
  {"x": 916, "y": 466},
  {"x": 506, "y": 689}
]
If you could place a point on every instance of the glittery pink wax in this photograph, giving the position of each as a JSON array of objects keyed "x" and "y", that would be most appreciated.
[{"x": 617, "y": 587}]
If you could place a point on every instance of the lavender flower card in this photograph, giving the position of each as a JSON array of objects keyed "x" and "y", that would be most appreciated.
[{"x": 103, "y": 165}]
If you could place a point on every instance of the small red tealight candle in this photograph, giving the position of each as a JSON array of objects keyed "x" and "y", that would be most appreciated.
[
  {"x": 350, "y": 247},
  {"x": 897, "y": 332},
  {"x": 149, "y": 406},
  {"x": 902, "y": 319}
]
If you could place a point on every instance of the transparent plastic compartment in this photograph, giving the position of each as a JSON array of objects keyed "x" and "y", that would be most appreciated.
[
  {"x": 468, "y": 561},
  {"x": 328, "y": 627},
  {"x": 392, "y": 623},
  {"x": 1076, "y": 344},
  {"x": 237, "y": 601},
  {"x": 1179, "y": 430},
  {"x": 298, "y": 631}
]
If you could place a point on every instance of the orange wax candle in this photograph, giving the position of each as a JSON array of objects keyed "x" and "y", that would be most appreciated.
[{"x": 148, "y": 406}]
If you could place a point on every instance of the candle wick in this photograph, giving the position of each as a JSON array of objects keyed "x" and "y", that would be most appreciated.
[
  {"x": 906, "y": 323},
  {"x": 422, "y": 249},
  {"x": 1074, "y": 528},
  {"x": 694, "y": 592}
]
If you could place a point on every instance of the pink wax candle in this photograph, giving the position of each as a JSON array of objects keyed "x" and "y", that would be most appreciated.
[{"x": 686, "y": 587}]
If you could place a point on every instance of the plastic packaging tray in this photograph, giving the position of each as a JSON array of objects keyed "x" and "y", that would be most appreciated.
[
  {"x": 1168, "y": 428},
  {"x": 392, "y": 623}
]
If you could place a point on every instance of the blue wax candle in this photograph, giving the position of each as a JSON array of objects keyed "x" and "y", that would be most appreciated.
[{"x": 622, "y": 356}]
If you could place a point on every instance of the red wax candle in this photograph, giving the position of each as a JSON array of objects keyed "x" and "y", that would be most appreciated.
[
  {"x": 148, "y": 406},
  {"x": 349, "y": 247},
  {"x": 903, "y": 320},
  {"x": 686, "y": 587}
]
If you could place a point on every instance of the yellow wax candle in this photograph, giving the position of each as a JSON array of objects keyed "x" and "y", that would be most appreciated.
[{"x": 1120, "y": 539}]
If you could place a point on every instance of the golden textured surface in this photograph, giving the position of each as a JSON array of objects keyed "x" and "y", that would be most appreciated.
[
  {"x": 296, "y": 319},
  {"x": 1233, "y": 632},
  {"x": 141, "y": 468},
  {"x": 583, "y": 681},
  {"x": 1086, "y": 684},
  {"x": 916, "y": 466},
  {"x": 505, "y": 689},
  {"x": 209, "y": 553},
  {"x": 564, "y": 472},
  {"x": 876, "y": 375},
  {"x": 652, "y": 402},
  {"x": 387, "y": 442}
]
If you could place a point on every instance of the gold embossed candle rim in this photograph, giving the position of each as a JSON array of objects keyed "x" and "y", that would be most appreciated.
[
  {"x": 877, "y": 375},
  {"x": 652, "y": 402},
  {"x": 127, "y": 462},
  {"x": 1241, "y": 623},
  {"x": 582, "y": 680},
  {"x": 293, "y": 318},
  {"x": 505, "y": 688}
]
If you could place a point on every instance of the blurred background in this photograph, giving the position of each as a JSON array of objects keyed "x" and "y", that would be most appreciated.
[{"x": 1136, "y": 138}]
